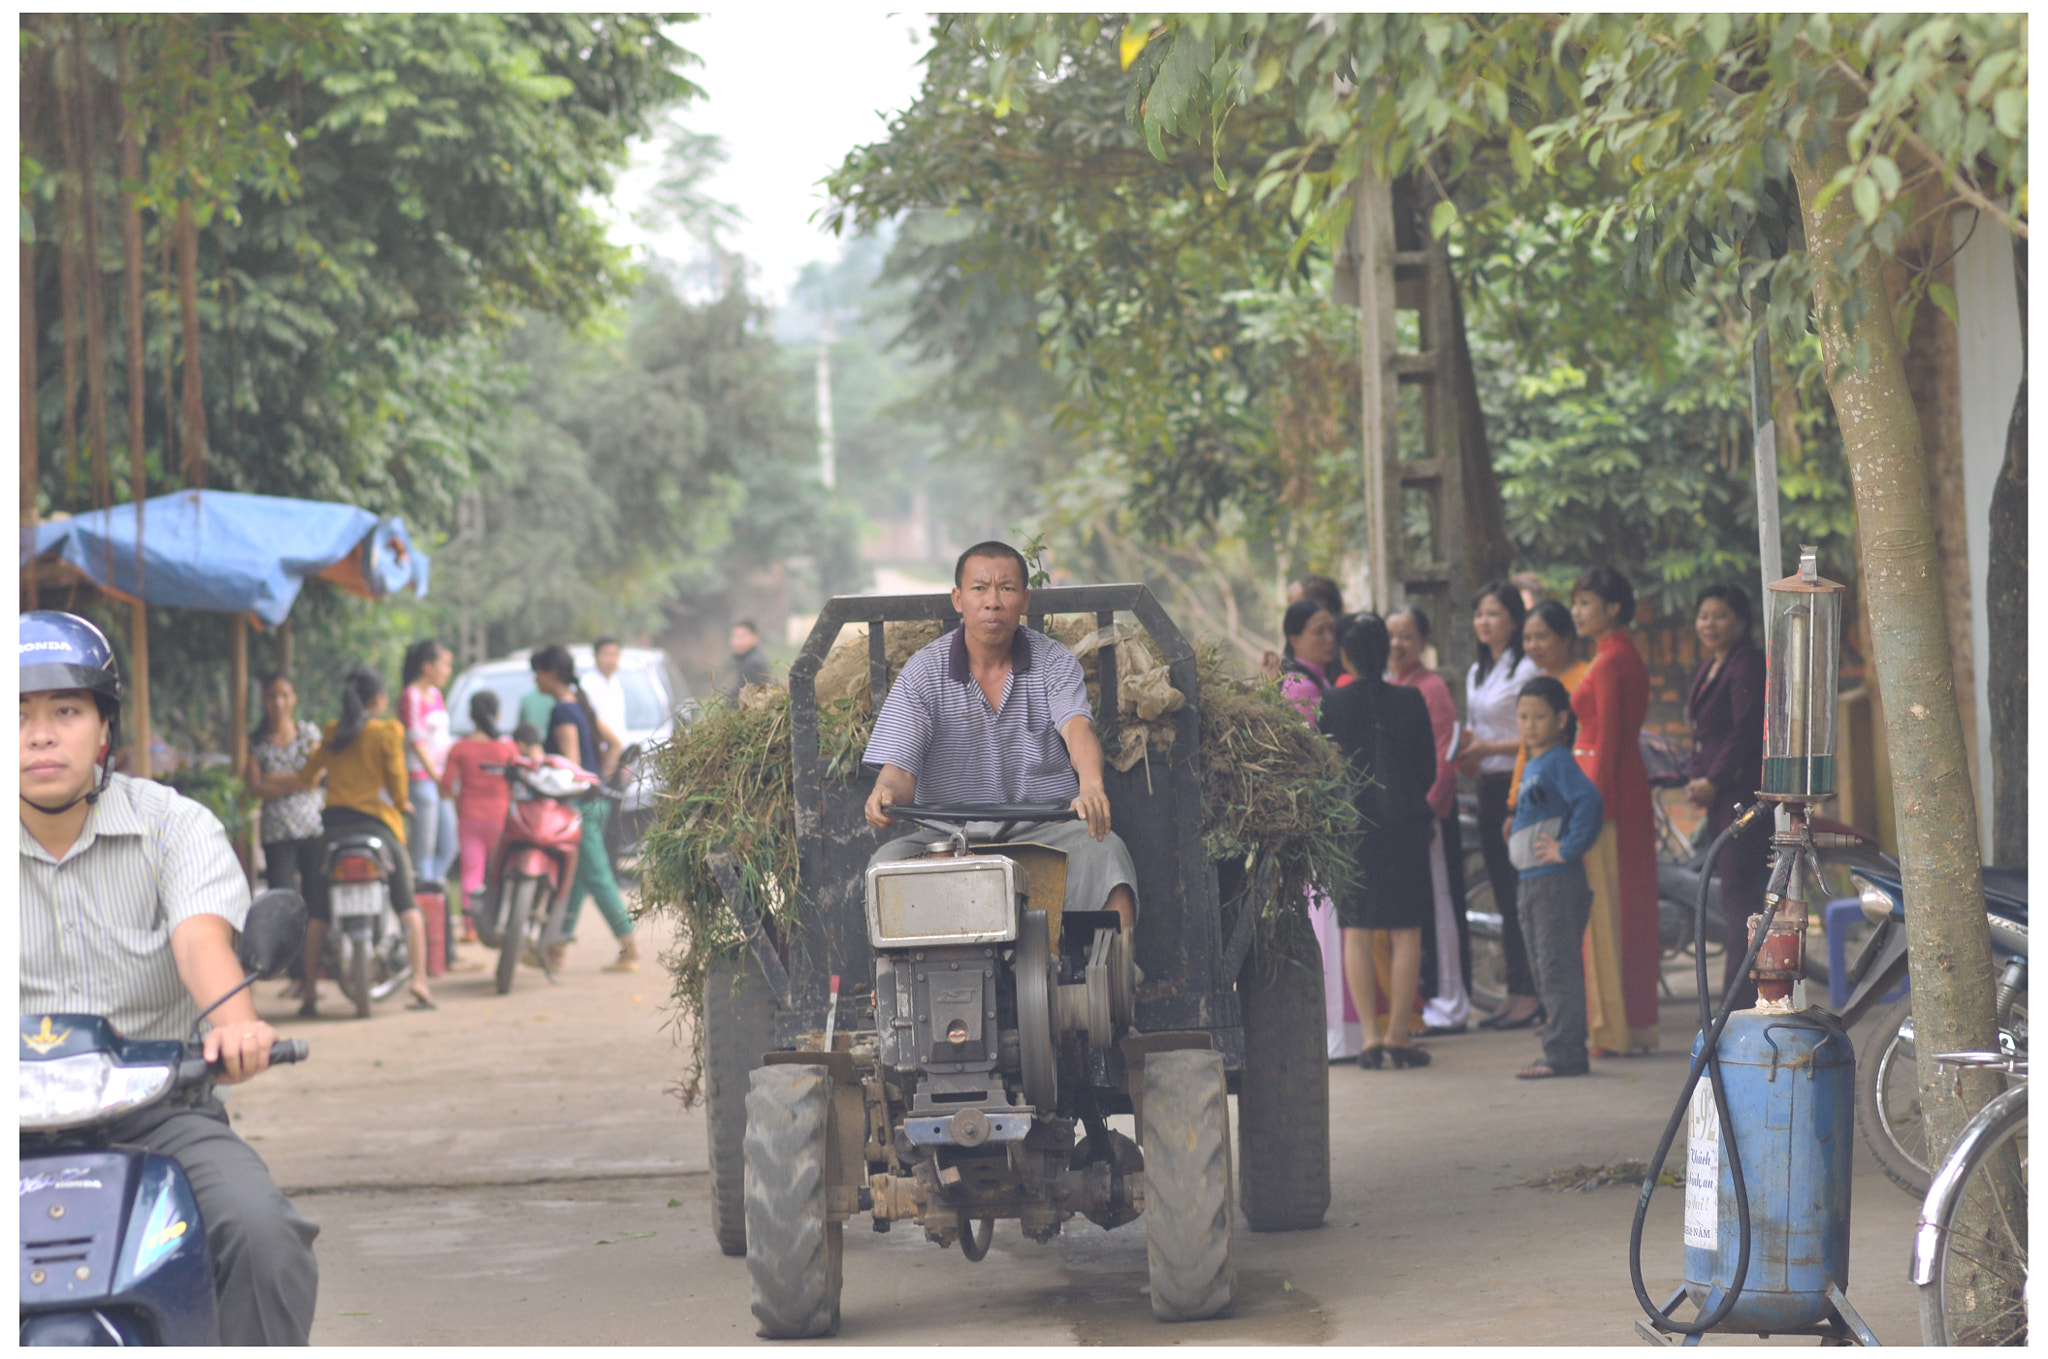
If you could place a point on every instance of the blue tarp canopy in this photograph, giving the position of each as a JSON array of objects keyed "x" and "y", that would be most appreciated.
[{"x": 233, "y": 553}]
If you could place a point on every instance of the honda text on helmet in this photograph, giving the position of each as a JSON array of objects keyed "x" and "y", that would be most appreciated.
[{"x": 62, "y": 655}]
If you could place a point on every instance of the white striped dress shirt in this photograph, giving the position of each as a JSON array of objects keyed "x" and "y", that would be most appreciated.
[{"x": 96, "y": 926}]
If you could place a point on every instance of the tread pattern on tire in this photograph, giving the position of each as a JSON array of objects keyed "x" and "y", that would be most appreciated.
[
  {"x": 1283, "y": 1104},
  {"x": 793, "y": 1250},
  {"x": 1188, "y": 1186},
  {"x": 739, "y": 1025}
]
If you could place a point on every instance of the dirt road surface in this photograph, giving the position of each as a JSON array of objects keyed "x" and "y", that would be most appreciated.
[{"x": 513, "y": 1170}]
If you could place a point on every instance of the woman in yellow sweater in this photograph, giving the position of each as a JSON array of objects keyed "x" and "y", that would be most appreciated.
[{"x": 364, "y": 757}]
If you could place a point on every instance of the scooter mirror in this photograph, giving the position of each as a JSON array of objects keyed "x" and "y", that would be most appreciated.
[{"x": 274, "y": 933}]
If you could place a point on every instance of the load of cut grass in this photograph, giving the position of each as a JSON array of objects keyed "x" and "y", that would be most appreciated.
[{"x": 1270, "y": 786}]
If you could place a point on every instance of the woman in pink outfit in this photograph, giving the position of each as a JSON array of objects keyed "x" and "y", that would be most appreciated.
[{"x": 481, "y": 799}]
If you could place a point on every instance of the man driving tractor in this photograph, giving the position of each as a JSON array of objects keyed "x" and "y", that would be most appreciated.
[{"x": 993, "y": 712}]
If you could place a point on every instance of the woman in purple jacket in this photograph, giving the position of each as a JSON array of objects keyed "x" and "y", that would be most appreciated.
[{"x": 1726, "y": 710}]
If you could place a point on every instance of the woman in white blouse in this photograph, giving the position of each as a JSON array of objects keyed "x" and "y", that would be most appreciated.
[{"x": 1487, "y": 754}]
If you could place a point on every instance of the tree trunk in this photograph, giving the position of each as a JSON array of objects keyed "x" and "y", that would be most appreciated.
[
  {"x": 31, "y": 434},
  {"x": 138, "y": 463},
  {"x": 68, "y": 270},
  {"x": 1486, "y": 525},
  {"x": 1935, "y": 383},
  {"x": 2005, "y": 604},
  {"x": 194, "y": 423},
  {"x": 95, "y": 303},
  {"x": 1937, "y": 814},
  {"x": 31, "y": 458},
  {"x": 167, "y": 272}
]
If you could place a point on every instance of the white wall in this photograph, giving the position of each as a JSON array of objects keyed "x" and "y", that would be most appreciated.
[{"x": 1989, "y": 356}]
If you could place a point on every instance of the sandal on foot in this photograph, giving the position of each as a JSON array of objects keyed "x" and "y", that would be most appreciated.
[
  {"x": 1373, "y": 1058},
  {"x": 1540, "y": 1071},
  {"x": 420, "y": 1002},
  {"x": 1405, "y": 1055},
  {"x": 309, "y": 1009}
]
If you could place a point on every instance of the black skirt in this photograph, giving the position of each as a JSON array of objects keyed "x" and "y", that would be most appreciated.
[{"x": 1395, "y": 890}]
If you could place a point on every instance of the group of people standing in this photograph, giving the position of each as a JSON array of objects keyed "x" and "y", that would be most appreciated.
[
  {"x": 1551, "y": 744},
  {"x": 403, "y": 774}
]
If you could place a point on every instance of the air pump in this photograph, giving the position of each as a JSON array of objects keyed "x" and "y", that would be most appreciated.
[{"x": 1770, "y": 1131}]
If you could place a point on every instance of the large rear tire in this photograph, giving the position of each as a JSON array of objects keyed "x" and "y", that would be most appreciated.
[
  {"x": 1188, "y": 1190},
  {"x": 523, "y": 891},
  {"x": 1283, "y": 1096},
  {"x": 793, "y": 1248},
  {"x": 739, "y": 1026},
  {"x": 1888, "y": 1100}
]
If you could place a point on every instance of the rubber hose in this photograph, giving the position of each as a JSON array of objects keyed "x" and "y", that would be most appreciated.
[{"x": 1708, "y": 1061}]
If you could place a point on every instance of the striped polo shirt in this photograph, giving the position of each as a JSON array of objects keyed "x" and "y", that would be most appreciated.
[
  {"x": 96, "y": 925},
  {"x": 936, "y": 724}
]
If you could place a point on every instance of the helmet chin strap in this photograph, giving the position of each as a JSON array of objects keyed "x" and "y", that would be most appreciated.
[{"x": 90, "y": 796}]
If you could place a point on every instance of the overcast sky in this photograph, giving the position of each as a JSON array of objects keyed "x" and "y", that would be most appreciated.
[{"x": 790, "y": 89}]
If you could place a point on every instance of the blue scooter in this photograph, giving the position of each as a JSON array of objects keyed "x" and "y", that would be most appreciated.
[{"x": 113, "y": 1251}]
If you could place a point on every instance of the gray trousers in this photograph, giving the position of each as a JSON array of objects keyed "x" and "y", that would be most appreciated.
[
  {"x": 265, "y": 1278},
  {"x": 1095, "y": 868},
  {"x": 1555, "y": 908}
]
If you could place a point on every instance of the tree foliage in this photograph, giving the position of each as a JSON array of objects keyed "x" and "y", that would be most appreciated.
[
  {"x": 375, "y": 197},
  {"x": 1106, "y": 311},
  {"x": 640, "y": 473}
]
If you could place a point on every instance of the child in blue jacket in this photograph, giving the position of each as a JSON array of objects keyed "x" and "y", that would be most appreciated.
[{"x": 1557, "y": 819}]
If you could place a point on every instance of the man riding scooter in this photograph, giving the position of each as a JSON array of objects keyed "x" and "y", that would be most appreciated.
[{"x": 130, "y": 900}]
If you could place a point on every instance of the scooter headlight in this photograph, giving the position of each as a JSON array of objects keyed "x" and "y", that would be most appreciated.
[
  {"x": 1876, "y": 902},
  {"x": 68, "y": 1092}
]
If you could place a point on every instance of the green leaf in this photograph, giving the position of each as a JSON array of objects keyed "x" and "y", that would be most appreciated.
[
  {"x": 1945, "y": 298},
  {"x": 1442, "y": 218},
  {"x": 1865, "y": 195},
  {"x": 1518, "y": 153},
  {"x": 2009, "y": 110},
  {"x": 1302, "y": 189},
  {"x": 623, "y": 1236},
  {"x": 1988, "y": 73}
]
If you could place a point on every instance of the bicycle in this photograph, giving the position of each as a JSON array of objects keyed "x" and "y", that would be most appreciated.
[{"x": 1970, "y": 1249}]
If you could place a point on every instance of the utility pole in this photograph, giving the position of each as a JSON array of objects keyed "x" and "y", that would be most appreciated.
[
  {"x": 1430, "y": 538},
  {"x": 827, "y": 463}
]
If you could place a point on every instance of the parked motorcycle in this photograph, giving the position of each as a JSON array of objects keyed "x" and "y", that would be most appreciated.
[
  {"x": 526, "y": 889},
  {"x": 1887, "y": 1075},
  {"x": 112, "y": 1248},
  {"x": 366, "y": 948}
]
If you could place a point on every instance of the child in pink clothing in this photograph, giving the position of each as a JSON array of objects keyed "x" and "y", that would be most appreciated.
[{"x": 481, "y": 799}]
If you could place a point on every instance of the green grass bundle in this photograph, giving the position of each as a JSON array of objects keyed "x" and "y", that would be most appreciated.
[{"x": 1270, "y": 784}]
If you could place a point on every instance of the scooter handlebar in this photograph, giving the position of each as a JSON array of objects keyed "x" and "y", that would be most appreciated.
[{"x": 194, "y": 1069}]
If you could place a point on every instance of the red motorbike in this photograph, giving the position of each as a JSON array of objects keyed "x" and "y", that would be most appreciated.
[{"x": 526, "y": 887}]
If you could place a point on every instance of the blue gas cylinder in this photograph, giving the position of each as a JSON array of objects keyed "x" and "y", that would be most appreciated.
[{"x": 1791, "y": 1088}]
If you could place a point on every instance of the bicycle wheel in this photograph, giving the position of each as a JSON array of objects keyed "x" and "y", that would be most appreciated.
[
  {"x": 1888, "y": 1100},
  {"x": 1978, "y": 1295},
  {"x": 1489, "y": 987}
]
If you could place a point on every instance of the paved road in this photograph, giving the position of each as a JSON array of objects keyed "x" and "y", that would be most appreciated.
[{"x": 513, "y": 1170}]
